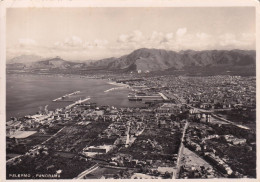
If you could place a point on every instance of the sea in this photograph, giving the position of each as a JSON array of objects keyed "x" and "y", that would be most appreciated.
[{"x": 26, "y": 94}]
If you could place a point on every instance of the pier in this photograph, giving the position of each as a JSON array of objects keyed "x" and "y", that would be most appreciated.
[
  {"x": 118, "y": 84},
  {"x": 111, "y": 89},
  {"x": 64, "y": 96},
  {"x": 77, "y": 102},
  {"x": 163, "y": 96}
]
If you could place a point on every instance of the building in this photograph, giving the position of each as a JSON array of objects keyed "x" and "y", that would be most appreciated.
[{"x": 93, "y": 150}]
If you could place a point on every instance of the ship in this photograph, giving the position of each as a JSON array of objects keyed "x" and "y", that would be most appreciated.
[
  {"x": 144, "y": 97},
  {"x": 134, "y": 98}
]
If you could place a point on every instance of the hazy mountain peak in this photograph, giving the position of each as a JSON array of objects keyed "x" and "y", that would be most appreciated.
[{"x": 25, "y": 59}]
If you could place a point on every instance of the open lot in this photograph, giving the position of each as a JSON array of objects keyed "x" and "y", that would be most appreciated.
[{"x": 22, "y": 134}]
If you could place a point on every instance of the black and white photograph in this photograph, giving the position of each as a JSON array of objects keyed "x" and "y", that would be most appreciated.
[{"x": 130, "y": 92}]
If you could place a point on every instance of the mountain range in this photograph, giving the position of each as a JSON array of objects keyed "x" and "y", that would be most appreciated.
[{"x": 149, "y": 60}]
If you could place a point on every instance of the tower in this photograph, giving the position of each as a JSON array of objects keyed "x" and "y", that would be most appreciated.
[
  {"x": 208, "y": 118},
  {"x": 127, "y": 136}
]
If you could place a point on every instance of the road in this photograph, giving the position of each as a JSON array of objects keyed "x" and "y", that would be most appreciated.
[
  {"x": 53, "y": 136},
  {"x": 17, "y": 157},
  {"x": 180, "y": 153},
  {"x": 230, "y": 122},
  {"x": 199, "y": 109},
  {"x": 218, "y": 117},
  {"x": 84, "y": 173}
]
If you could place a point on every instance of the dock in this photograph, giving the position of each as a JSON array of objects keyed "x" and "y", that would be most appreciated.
[
  {"x": 77, "y": 102},
  {"x": 163, "y": 96},
  {"x": 64, "y": 96}
]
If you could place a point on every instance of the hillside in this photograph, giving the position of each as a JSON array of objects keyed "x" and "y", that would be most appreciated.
[{"x": 159, "y": 60}]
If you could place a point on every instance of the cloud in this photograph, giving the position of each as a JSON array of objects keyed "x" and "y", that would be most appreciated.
[
  {"x": 237, "y": 41},
  {"x": 159, "y": 37},
  {"x": 136, "y": 39},
  {"x": 75, "y": 42},
  {"x": 181, "y": 32},
  {"x": 169, "y": 36},
  {"x": 170, "y": 40},
  {"x": 156, "y": 37},
  {"x": 227, "y": 39},
  {"x": 249, "y": 38},
  {"x": 27, "y": 42},
  {"x": 72, "y": 41},
  {"x": 123, "y": 38},
  {"x": 202, "y": 36},
  {"x": 100, "y": 43},
  {"x": 182, "y": 40},
  {"x": 135, "y": 36},
  {"x": 197, "y": 41},
  {"x": 75, "y": 47}
]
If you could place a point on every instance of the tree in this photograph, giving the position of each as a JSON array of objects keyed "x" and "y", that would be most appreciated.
[
  {"x": 156, "y": 173},
  {"x": 116, "y": 176},
  {"x": 167, "y": 174}
]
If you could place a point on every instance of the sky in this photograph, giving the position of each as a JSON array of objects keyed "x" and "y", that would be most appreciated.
[{"x": 96, "y": 33}]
